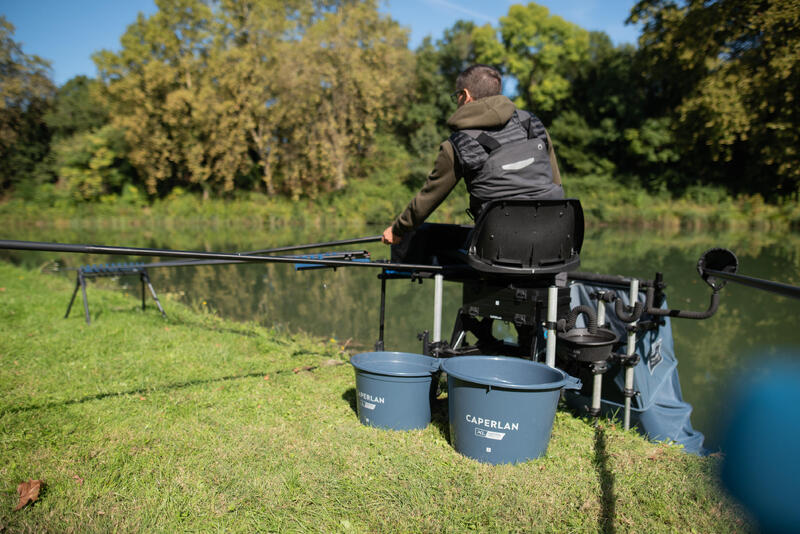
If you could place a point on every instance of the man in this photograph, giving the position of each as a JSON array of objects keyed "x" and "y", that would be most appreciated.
[{"x": 501, "y": 152}]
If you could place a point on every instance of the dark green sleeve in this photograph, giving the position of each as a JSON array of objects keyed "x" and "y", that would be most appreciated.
[{"x": 440, "y": 182}]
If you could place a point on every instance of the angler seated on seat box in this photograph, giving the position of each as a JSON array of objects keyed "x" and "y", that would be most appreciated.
[{"x": 500, "y": 151}]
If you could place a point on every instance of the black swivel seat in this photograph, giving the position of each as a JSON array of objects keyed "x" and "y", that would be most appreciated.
[{"x": 518, "y": 248}]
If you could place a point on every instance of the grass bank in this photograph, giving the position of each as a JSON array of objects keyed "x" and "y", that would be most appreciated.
[{"x": 194, "y": 423}]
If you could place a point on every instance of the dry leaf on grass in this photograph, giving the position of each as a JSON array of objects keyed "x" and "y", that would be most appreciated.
[
  {"x": 28, "y": 492},
  {"x": 303, "y": 368}
]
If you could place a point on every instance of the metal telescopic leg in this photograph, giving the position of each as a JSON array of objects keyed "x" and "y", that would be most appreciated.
[
  {"x": 82, "y": 282},
  {"x": 74, "y": 293},
  {"x": 146, "y": 280},
  {"x": 437, "y": 307},
  {"x": 601, "y": 310},
  {"x": 141, "y": 278},
  {"x": 379, "y": 344},
  {"x": 552, "y": 311},
  {"x": 598, "y": 369},
  {"x": 634, "y": 295}
]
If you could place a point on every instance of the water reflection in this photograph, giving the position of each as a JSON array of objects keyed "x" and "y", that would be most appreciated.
[{"x": 343, "y": 304}]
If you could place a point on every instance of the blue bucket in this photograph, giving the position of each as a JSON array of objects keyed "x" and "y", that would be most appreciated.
[
  {"x": 502, "y": 409},
  {"x": 394, "y": 389}
]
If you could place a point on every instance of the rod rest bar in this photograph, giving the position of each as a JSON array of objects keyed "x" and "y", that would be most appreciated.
[
  {"x": 683, "y": 314},
  {"x": 612, "y": 279},
  {"x": 112, "y": 269},
  {"x": 630, "y": 314}
]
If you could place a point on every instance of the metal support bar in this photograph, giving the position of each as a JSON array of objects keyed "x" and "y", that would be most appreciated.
[
  {"x": 552, "y": 312},
  {"x": 597, "y": 388},
  {"x": 141, "y": 278},
  {"x": 85, "y": 299},
  {"x": 437, "y": 307},
  {"x": 379, "y": 344},
  {"x": 74, "y": 293},
  {"x": 146, "y": 280},
  {"x": 601, "y": 311},
  {"x": 633, "y": 298}
]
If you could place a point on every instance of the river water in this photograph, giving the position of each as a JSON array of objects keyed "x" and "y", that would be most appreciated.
[{"x": 750, "y": 328}]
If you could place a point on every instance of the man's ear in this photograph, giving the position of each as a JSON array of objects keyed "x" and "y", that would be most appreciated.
[{"x": 467, "y": 96}]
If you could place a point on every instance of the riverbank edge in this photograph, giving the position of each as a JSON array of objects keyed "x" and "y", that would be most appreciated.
[{"x": 367, "y": 202}]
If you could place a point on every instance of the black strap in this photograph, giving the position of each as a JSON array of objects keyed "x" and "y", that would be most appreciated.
[
  {"x": 487, "y": 142},
  {"x": 526, "y": 124},
  {"x": 534, "y": 127}
]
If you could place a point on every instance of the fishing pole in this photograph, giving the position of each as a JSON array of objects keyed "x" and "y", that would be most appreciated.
[
  {"x": 287, "y": 248},
  {"x": 168, "y": 253}
]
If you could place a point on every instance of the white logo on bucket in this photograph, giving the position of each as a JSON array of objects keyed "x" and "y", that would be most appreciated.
[
  {"x": 491, "y": 423},
  {"x": 370, "y": 398},
  {"x": 488, "y": 434},
  {"x": 367, "y": 405}
]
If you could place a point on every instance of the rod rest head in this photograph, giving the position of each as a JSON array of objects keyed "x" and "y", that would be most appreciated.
[
  {"x": 717, "y": 259},
  {"x": 527, "y": 237}
]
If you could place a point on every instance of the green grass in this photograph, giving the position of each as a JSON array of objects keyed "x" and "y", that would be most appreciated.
[{"x": 194, "y": 423}]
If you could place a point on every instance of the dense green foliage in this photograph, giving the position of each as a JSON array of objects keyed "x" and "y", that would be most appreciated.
[
  {"x": 193, "y": 423},
  {"x": 26, "y": 92},
  {"x": 302, "y": 98}
]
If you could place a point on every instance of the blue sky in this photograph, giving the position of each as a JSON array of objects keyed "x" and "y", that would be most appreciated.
[{"x": 67, "y": 32}]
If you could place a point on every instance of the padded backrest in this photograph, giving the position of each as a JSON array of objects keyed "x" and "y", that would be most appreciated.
[{"x": 527, "y": 237}]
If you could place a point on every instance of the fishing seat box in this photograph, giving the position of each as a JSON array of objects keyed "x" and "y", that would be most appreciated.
[{"x": 519, "y": 247}]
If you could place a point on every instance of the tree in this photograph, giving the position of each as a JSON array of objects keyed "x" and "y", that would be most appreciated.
[
  {"x": 75, "y": 108},
  {"x": 542, "y": 52},
  {"x": 91, "y": 164},
  {"x": 208, "y": 93},
  {"x": 152, "y": 90},
  {"x": 26, "y": 92},
  {"x": 346, "y": 74},
  {"x": 728, "y": 73}
]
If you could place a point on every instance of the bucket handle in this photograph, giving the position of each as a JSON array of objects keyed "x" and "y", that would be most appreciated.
[{"x": 572, "y": 382}]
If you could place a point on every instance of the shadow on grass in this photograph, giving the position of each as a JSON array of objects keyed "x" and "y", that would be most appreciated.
[
  {"x": 607, "y": 499},
  {"x": 350, "y": 397},
  {"x": 97, "y": 312},
  {"x": 138, "y": 391},
  {"x": 440, "y": 417},
  {"x": 176, "y": 321}
]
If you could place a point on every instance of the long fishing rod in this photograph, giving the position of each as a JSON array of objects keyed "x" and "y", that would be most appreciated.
[
  {"x": 186, "y": 254},
  {"x": 287, "y": 248}
]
